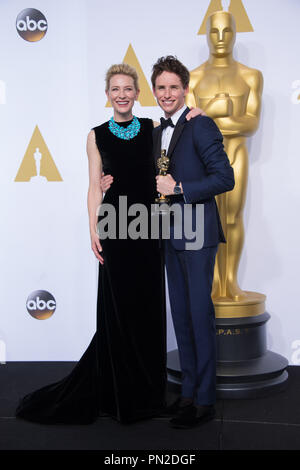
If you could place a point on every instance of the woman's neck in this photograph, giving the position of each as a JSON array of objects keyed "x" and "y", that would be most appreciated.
[{"x": 123, "y": 117}]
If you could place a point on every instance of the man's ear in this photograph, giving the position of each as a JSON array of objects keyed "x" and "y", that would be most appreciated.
[{"x": 186, "y": 90}]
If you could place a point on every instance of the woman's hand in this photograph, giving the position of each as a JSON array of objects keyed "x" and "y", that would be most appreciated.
[
  {"x": 106, "y": 182},
  {"x": 96, "y": 247},
  {"x": 195, "y": 112}
]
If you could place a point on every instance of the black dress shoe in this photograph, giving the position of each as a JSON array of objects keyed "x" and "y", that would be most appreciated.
[
  {"x": 191, "y": 416},
  {"x": 179, "y": 404}
]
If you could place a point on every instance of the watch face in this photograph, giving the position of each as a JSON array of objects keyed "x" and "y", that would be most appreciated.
[{"x": 177, "y": 189}]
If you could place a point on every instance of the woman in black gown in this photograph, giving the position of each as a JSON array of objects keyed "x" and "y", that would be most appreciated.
[{"x": 123, "y": 371}]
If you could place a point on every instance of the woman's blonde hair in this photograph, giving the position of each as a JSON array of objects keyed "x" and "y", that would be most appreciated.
[{"x": 123, "y": 69}]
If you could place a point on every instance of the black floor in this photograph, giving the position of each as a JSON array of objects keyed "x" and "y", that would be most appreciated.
[{"x": 264, "y": 423}]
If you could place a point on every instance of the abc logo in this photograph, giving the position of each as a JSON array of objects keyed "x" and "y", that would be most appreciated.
[
  {"x": 31, "y": 25},
  {"x": 41, "y": 304}
]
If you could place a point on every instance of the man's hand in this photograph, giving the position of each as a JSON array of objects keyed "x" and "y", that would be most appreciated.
[
  {"x": 106, "y": 182},
  {"x": 165, "y": 184},
  {"x": 194, "y": 112}
]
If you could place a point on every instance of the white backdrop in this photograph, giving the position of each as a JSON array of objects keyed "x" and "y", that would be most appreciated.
[{"x": 57, "y": 84}]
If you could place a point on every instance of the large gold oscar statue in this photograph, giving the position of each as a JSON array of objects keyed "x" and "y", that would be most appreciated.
[{"x": 230, "y": 93}]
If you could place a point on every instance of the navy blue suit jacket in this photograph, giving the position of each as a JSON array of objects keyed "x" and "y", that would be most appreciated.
[{"x": 199, "y": 162}]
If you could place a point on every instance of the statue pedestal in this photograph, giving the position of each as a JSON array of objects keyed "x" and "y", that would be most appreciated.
[
  {"x": 245, "y": 368},
  {"x": 249, "y": 304}
]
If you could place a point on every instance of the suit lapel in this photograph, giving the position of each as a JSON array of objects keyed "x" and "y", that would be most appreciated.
[
  {"x": 157, "y": 143},
  {"x": 177, "y": 132}
]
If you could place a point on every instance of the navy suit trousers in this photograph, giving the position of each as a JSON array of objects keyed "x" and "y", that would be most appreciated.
[{"x": 190, "y": 276}]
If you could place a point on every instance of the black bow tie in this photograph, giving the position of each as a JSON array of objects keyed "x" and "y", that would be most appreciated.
[{"x": 166, "y": 123}]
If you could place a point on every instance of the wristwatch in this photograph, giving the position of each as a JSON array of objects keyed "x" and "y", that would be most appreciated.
[{"x": 177, "y": 189}]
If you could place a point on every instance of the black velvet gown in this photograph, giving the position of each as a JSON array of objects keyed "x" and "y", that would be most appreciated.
[{"x": 123, "y": 371}]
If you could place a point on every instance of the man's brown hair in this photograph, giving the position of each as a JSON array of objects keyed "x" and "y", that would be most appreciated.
[{"x": 171, "y": 64}]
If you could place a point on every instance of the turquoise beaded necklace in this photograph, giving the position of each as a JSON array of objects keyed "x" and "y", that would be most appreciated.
[{"x": 125, "y": 133}]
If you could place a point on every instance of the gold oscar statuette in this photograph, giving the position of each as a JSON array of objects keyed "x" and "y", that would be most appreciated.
[
  {"x": 163, "y": 163},
  {"x": 230, "y": 93}
]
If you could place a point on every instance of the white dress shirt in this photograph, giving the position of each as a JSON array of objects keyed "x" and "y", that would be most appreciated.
[{"x": 167, "y": 133}]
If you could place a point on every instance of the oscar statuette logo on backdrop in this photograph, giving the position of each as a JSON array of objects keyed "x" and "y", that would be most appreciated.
[
  {"x": 37, "y": 165},
  {"x": 41, "y": 304},
  {"x": 146, "y": 97},
  {"x": 31, "y": 25},
  {"x": 236, "y": 8}
]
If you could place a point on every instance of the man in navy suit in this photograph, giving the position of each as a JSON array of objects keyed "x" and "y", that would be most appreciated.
[{"x": 199, "y": 170}]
